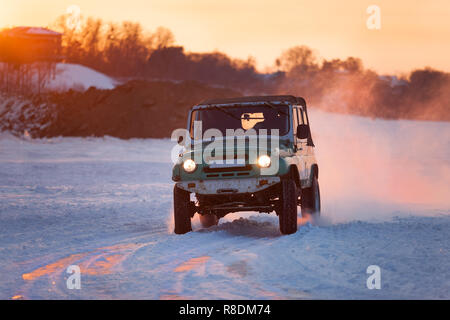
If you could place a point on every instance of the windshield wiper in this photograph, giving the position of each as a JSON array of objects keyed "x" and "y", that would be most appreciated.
[
  {"x": 271, "y": 106},
  {"x": 266, "y": 104},
  {"x": 226, "y": 112}
]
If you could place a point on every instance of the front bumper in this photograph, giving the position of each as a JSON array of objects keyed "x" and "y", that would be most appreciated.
[{"x": 228, "y": 186}]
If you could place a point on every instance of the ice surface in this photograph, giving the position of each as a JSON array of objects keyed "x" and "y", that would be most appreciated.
[{"x": 106, "y": 205}]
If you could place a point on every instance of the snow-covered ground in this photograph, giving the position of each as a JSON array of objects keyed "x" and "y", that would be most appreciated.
[{"x": 106, "y": 206}]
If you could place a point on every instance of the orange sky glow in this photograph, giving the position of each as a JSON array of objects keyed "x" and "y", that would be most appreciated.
[{"x": 413, "y": 34}]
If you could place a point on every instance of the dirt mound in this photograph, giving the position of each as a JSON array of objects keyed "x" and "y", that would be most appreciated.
[{"x": 137, "y": 109}]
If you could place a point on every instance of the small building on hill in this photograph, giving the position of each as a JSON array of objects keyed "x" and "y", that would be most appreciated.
[{"x": 30, "y": 44}]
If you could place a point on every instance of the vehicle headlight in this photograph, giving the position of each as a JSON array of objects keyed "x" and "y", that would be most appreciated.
[
  {"x": 264, "y": 161},
  {"x": 189, "y": 165}
]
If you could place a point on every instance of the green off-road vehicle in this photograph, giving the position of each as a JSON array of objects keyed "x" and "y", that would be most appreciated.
[{"x": 246, "y": 154}]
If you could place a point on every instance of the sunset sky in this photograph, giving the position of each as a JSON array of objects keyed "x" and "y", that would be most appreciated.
[{"x": 413, "y": 34}]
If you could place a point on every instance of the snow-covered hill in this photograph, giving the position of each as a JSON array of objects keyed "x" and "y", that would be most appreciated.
[
  {"x": 106, "y": 205},
  {"x": 73, "y": 76},
  {"x": 78, "y": 77}
]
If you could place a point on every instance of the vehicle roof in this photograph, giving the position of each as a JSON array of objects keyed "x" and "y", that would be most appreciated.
[{"x": 258, "y": 99}]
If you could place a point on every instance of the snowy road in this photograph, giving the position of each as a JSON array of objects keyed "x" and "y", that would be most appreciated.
[{"x": 105, "y": 205}]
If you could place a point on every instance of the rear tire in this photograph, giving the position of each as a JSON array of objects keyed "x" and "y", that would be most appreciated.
[
  {"x": 288, "y": 208},
  {"x": 208, "y": 220},
  {"x": 311, "y": 199},
  {"x": 181, "y": 212}
]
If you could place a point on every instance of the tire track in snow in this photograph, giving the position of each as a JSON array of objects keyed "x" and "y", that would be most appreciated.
[{"x": 97, "y": 262}]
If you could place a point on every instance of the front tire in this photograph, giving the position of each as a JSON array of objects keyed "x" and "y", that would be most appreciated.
[
  {"x": 181, "y": 212},
  {"x": 288, "y": 207},
  {"x": 311, "y": 199}
]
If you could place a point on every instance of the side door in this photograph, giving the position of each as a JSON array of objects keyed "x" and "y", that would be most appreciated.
[
  {"x": 300, "y": 144},
  {"x": 306, "y": 149}
]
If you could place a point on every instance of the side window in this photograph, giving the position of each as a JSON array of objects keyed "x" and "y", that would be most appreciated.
[
  {"x": 301, "y": 117},
  {"x": 304, "y": 118},
  {"x": 295, "y": 120}
]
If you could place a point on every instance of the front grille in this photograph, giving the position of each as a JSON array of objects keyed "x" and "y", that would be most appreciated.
[{"x": 227, "y": 169}]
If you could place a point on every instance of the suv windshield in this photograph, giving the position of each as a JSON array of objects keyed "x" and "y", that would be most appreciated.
[{"x": 243, "y": 117}]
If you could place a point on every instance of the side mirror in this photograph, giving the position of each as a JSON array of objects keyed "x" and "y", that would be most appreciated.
[{"x": 302, "y": 131}]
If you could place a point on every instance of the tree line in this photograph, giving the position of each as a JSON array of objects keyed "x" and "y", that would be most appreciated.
[
  {"x": 126, "y": 50},
  {"x": 342, "y": 85}
]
